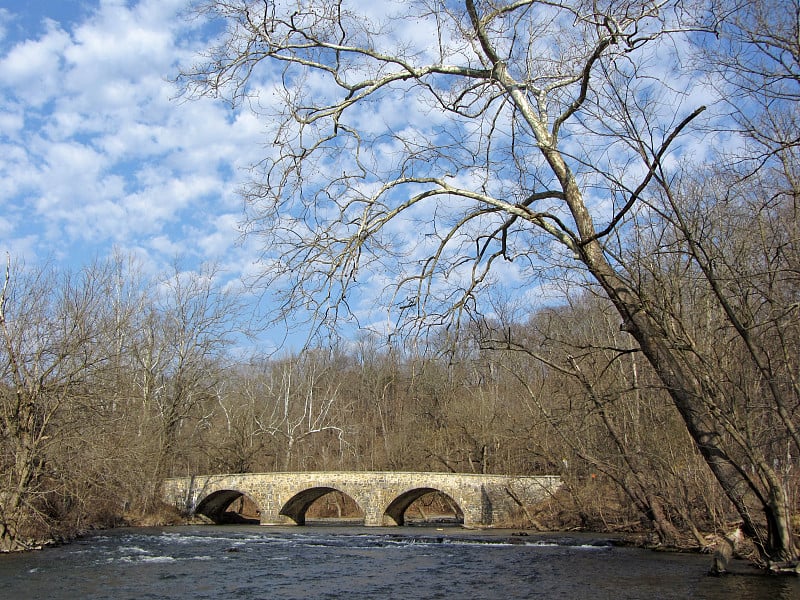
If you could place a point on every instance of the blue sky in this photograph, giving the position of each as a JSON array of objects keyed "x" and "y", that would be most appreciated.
[{"x": 96, "y": 151}]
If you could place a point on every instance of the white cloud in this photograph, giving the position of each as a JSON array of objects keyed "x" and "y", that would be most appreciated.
[
  {"x": 165, "y": 246},
  {"x": 94, "y": 150},
  {"x": 33, "y": 67},
  {"x": 224, "y": 231}
]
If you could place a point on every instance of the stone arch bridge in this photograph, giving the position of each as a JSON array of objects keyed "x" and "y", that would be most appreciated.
[{"x": 383, "y": 497}]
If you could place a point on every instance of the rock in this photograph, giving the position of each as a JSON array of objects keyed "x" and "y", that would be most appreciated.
[
  {"x": 724, "y": 551},
  {"x": 786, "y": 568}
]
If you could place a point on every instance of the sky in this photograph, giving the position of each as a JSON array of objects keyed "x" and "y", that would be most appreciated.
[{"x": 97, "y": 151}]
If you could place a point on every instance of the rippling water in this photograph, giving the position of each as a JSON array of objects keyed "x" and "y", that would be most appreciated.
[{"x": 333, "y": 562}]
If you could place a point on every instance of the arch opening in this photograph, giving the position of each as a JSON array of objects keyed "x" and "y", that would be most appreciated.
[
  {"x": 226, "y": 507},
  {"x": 323, "y": 506},
  {"x": 424, "y": 506}
]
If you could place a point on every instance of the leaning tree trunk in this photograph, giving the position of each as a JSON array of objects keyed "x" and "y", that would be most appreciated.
[{"x": 761, "y": 503}]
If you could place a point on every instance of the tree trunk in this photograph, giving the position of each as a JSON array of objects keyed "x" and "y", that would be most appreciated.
[{"x": 764, "y": 513}]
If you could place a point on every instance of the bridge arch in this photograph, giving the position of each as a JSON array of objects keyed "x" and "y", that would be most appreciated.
[
  {"x": 397, "y": 508},
  {"x": 383, "y": 497},
  {"x": 215, "y": 506},
  {"x": 297, "y": 506}
]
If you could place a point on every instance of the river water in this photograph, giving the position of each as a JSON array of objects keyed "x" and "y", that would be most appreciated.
[{"x": 350, "y": 562}]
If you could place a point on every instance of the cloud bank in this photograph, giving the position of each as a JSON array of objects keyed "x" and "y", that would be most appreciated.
[{"x": 97, "y": 152}]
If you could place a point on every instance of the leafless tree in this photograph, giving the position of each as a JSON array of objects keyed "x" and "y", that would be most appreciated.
[
  {"x": 177, "y": 346},
  {"x": 531, "y": 132},
  {"x": 50, "y": 326},
  {"x": 607, "y": 411},
  {"x": 300, "y": 396}
]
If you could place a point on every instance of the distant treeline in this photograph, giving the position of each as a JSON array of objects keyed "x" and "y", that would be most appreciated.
[{"x": 112, "y": 381}]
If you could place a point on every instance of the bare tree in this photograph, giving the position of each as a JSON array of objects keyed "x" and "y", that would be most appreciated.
[
  {"x": 607, "y": 410},
  {"x": 50, "y": 327},
  {"x": 530, "y": 134},
  {"x": 177, "y": 346},
  {"x": 235, "y": 442},
  {"x": 298, "y": 398}
]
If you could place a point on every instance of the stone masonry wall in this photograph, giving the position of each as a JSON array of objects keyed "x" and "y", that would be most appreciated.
[{"x": 485, "y": 500}]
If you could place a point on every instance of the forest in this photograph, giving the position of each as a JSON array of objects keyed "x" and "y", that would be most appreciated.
[{"x": 113, "y": 381}]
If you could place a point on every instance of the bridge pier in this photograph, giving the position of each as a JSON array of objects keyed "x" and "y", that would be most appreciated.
[{"x": 383, "y": 497}]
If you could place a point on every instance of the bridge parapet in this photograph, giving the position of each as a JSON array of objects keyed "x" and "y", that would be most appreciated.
[{"x": 283, "y": 498}]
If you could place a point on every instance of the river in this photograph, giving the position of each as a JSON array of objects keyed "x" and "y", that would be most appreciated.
[{"x": 211, "y": 562}]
